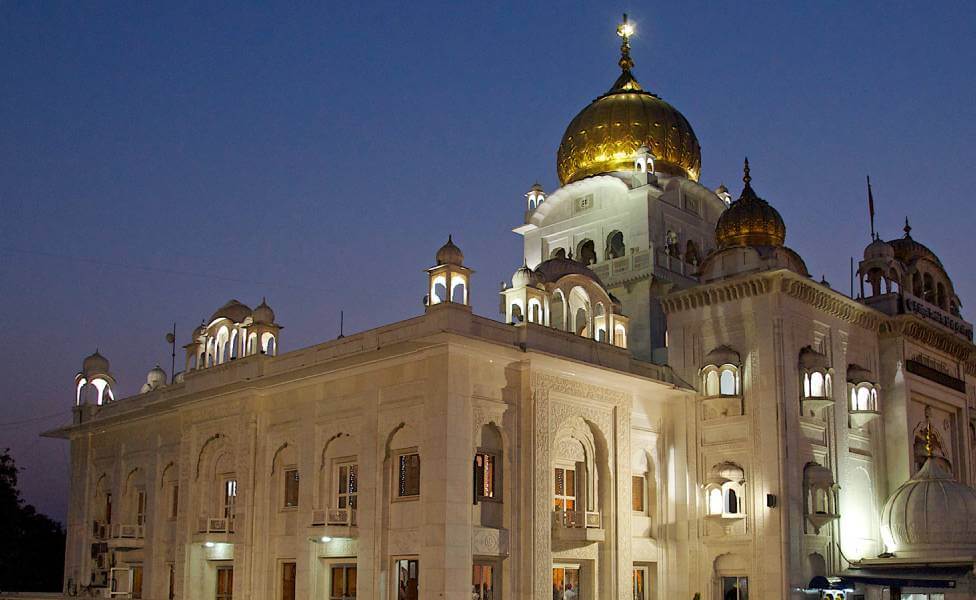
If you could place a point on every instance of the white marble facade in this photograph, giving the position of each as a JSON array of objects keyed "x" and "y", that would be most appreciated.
[{"x": 670, "y": 407}]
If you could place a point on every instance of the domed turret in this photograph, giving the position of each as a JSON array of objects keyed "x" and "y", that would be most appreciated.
[
  {"x": 605, "y": 135},
  {"x": 263, "y": 313},
  {"x": 233, "y": 310},
  {"x": 449, "y": 254},
  {"x": 750, "y": 220},
  {"x": 448, "y": 280},
  {"x": 554, "y": 269},
  {"x": 94, "y": 383},
  {"x": 931, "y": 515}
]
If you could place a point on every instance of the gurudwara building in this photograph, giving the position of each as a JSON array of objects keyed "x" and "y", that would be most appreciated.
[{"x": 670, "y": 407}]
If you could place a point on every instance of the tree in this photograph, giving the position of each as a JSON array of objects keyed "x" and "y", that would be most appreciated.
[{"x": 31, "y": 544}]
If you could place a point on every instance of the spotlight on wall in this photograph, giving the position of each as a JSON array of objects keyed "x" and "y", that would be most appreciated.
[
  {"x": 209, "y": 544},
  {"x": 325, "y": 539}
]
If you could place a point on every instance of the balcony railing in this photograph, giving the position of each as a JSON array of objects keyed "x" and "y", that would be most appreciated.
[
  {"x": 334, "y": 516},
  {"x": 128, "y": 532},
  {"x": 577, "y": 519},
  {"x": 623, "y": 268},
  {"x": 215, "y": 525}
]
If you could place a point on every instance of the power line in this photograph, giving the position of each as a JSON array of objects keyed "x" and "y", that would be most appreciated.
[
  {"x": 34, "y": 419},
  {"x": 148, "y": 269}
]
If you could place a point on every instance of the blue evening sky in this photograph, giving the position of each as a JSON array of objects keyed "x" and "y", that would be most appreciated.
[{"x": 159, "y": 158}]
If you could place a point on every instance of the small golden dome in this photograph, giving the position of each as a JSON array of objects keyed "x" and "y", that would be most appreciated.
[
  {"x": 605, "y": 135},
  {"x": 750, "y": 220}
]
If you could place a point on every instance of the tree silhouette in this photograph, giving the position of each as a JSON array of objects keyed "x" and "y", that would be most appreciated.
[{"x": 31, "y": 544}]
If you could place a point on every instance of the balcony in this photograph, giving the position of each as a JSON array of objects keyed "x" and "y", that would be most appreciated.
[
  {"x": 335, "y": 522},
  {"x": 216, "y": 529},
  {"x": 127, "y": 537},
  {"x": 577, "y": 526},
  {"x": 615, "y": 271},
  {"x": 861, "y": 418},
  {"x": 814, "y": 405}
]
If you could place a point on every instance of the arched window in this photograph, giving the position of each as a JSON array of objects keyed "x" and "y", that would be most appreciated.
[
  {"x": 821, "y": 495},
  {"x": 928, "y": 292},
  {"x": 727, "y": 386},
  {"x": 619, "y": 335},
  {"x": 721, "y": 372},
  {"x": 615, "y": 245},
  {"x": 691, "y": 253},
  {"x": 557, "y": 311},
  {"x": 817, "y": 389},
  {"x": 671, "y": 243},
  {"x": 438, "y": 290},
  {"x": 535, "y": 311},
  {"x": 712, "y": 383},
  {"x": 586, "y": 252},
  {"x": 459, "y": 292},
  {"x": 516, "y": 313},
  {"x": 724, "y": 492}
]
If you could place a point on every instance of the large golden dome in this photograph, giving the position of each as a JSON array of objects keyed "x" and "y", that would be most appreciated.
[
  {"x": 750, "y": 220},
  {"x": 605, "y": 135}
]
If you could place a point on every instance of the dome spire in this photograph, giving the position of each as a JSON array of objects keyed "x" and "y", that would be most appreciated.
[
  {"x": 626, "y": 81},
  {"x": 928, "y": 433},
  {"x": 747, "y": 191},
  {"x": 625, "y": 29},
  {"x": 907, "y": 229}
]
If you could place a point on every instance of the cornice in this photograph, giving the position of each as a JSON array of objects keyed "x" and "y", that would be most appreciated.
[
  {"x": 923, "y": 333},
  {"x": 790, "y": 284},
  {"x": 715, "y": 293},
  {"x": 826, "y": 301}
]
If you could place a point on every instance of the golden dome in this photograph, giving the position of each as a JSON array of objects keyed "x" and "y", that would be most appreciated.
[
  {"x": 605, "y": 135},
  {"x": 750, "y": 221}
]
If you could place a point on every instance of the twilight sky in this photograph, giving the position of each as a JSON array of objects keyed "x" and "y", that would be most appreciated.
[{"x": 156, "y": 159}]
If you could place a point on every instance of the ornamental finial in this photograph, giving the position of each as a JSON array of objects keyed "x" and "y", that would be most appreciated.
[
  {"x": 928, "y": 432},
  {"x": 907, "y": 229},
  {"x": 625, "y": 29},
  {"x": 746, "y": 178}
]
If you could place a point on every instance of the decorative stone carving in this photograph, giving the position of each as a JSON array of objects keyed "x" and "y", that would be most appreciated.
[{"x": 487, "y": 541}]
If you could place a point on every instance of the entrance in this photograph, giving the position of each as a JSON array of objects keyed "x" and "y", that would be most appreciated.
[
  {"x": 566, "y": 582},
  {"x": 225, "y": 583}
]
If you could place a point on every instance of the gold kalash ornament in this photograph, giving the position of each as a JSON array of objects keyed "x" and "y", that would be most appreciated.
[{"x": 605, "y": 135}]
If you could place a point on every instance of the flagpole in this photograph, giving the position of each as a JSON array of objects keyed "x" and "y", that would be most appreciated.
[{"x": 871, "y": 207}]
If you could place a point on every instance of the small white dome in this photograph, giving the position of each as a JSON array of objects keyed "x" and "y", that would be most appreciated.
[
  {"x": 95, "y": 364},
  {"x": 263, "y": 313},
  {"x": 449, "y": 254},
  {"x": 156, "y": 376},
  {"x": 523, "y": 276},
  {"x": 878, "y": 249},
  {"x": 930, "y": 515}
]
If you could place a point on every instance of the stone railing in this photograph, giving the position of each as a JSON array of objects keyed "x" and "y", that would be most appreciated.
[
  {"x": 623, "y": 268},
  {"x": 215, "y": 525},
  {"x": 334, "y": 516},
  {"x": 577, "y": 519},
  {"x": 134, "y": 532}
]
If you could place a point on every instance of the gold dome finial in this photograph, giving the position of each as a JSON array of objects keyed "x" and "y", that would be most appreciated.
[
  {"x": 928, "y": 432},
  {"x": 625, "y": 29}
]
